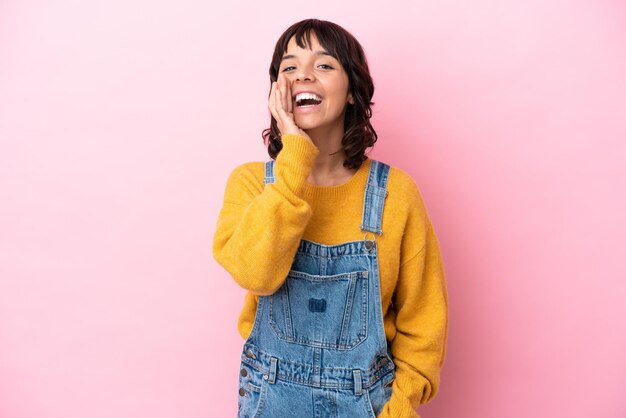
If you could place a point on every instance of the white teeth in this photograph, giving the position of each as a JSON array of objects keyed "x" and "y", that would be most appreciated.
[{"x": 303, "y": 96}]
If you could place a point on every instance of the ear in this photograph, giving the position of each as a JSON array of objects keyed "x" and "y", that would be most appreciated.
[{"x": 350, "y": 98}]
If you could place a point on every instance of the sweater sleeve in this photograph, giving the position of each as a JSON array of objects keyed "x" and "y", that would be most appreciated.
[
  {"x": 259, "y": 228},
  {"x": 421, "y": 305}
]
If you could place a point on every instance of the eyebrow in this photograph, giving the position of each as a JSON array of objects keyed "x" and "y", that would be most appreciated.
[{"x": 286, "y": 57}]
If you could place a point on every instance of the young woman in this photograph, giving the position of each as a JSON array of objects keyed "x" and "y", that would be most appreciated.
[{"x": 346, "y": 313}]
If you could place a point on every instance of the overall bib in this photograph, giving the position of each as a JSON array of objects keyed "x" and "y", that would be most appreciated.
[{"x": 317, "y": 347}]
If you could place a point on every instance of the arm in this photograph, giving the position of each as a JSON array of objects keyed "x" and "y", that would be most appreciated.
[
  {"x": 259, "y": 229},
  {"x": 421, "y": 304}
]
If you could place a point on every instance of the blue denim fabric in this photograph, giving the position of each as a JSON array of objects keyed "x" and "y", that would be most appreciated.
[{"x": 317, "y": 347}]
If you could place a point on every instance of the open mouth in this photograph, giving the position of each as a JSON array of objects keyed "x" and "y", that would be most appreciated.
[{"x": 307, "y": 100}]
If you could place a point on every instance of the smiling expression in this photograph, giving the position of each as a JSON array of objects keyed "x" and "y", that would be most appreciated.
[{"x": 319, "y": 85}]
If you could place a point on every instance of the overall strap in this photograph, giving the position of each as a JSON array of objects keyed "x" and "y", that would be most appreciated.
[
  {"x": 374, "y": 200},
  {"x": 269, "y": 172}
]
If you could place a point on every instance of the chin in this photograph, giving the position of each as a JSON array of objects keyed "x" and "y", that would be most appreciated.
[{"x": 305, "y": 125}]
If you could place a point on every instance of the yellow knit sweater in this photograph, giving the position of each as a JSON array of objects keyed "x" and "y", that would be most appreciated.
[{"x": 259, "y": 230}]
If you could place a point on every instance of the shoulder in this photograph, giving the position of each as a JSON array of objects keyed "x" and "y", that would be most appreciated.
[
  {"x": 245, "y": 181},
  {"x": 402, "y": 187},
  {"x": 405, "y": 204}
]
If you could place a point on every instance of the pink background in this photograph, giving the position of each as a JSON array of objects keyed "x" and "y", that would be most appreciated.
[{"x": 121, "y": 120}]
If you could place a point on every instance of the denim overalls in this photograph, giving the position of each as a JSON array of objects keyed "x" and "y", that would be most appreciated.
[{"x": 317, "y": 347}]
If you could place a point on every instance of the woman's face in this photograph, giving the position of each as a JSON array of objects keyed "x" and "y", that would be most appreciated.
[{"x": 323, "y": 81}]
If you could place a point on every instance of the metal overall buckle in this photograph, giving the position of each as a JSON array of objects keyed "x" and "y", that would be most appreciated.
[{"x": 369, "y": 244}]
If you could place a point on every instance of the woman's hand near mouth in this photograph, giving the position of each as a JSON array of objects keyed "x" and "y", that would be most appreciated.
[{"x": 281, "y": 107}]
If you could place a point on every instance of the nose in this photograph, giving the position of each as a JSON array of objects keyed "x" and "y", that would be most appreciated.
[{"x": 304, "y": 73}]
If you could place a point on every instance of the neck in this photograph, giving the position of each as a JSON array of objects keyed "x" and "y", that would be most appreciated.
[{"x": 331, "y": 156}]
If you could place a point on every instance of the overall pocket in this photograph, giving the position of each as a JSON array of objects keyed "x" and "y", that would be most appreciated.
[{"x": 321, "y": 311}]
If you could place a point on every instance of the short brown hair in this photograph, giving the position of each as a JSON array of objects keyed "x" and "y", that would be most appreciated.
[{"x": 359, "y": 134}]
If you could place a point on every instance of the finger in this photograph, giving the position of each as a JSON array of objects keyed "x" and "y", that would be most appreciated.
[
  {"x": 286, "y": 121},
  {"x": 278, "y": 100},
  {"x": 272, "y": 101},
  {"x": 289, "y": 98},
  {"x": 278, "y": 86},
  {"x": 278, "y": 110},
  {"x": 279, "y": 103},
  {"x": 283, "y": 91},
  {"x": 272, "y": 97}
]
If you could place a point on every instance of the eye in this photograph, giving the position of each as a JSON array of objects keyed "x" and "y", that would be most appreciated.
[{"x": 324, "y": 66}]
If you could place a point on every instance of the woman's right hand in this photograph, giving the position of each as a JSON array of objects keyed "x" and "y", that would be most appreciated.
[{"x": 281, "y": 107}]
